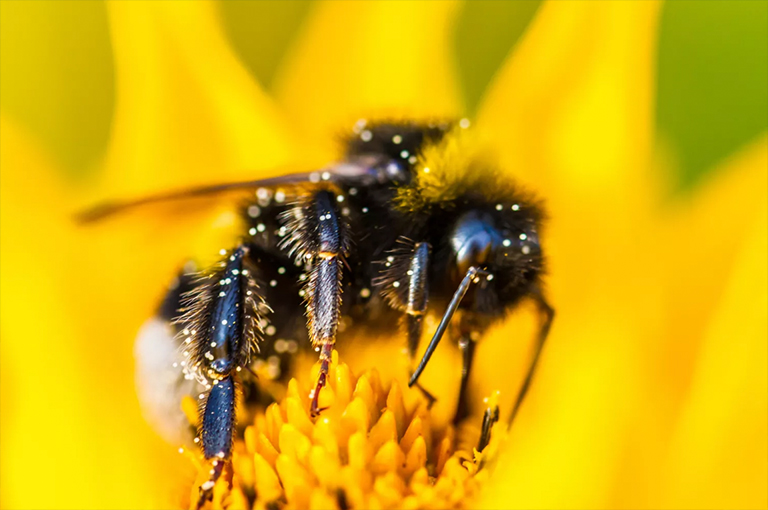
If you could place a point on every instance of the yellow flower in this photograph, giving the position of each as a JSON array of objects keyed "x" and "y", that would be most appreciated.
[{"x": 651, "y": 392}]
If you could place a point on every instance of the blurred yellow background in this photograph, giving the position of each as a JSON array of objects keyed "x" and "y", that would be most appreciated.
[{"x": 643, "y": 125}]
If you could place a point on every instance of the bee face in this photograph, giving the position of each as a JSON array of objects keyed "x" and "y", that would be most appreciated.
[{"x": 504, "y": 242}]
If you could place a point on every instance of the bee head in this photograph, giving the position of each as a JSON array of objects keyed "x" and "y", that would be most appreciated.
[{"x": 502, "y": 240}]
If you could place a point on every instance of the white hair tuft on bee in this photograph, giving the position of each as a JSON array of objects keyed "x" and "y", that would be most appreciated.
[{"x": 161, "y": 386}]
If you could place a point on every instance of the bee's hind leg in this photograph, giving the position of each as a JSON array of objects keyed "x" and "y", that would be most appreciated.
[
  {"x": 217, "y": 430},
  {"x": 221, "y": 331}
]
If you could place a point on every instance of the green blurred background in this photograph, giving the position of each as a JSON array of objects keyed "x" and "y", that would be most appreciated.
[{"x": 712, "y": 90}]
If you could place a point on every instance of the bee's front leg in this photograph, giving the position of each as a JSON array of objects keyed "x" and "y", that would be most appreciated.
[
  {"x": 416, "y": 304},
  {"x": 404, "y": 283}
]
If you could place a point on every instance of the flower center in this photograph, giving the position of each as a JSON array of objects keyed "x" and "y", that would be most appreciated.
[{"x": 371, "y": 447}]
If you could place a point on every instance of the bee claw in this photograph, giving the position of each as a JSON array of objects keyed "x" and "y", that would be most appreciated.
[{"x": 206, "y": 489}]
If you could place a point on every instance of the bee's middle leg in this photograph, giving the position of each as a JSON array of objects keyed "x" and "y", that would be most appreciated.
[{"x": 320, "y": 237}]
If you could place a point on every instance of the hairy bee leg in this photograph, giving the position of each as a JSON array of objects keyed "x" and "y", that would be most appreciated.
[
  {"x": 548, "y": 315},
  {"x": 467, "y": 347},
  {"x": 418, "y": 290},
  {"x": 324, "y": 296},
  {"x": 221, "y": 330},
  {"x": 206, "y": 490},
  {"x": 416, "y": 306},
  {"x": 490, "y": 417},
  {"x": 217, "y": 430},
  {"x": 469, "y": 278}
]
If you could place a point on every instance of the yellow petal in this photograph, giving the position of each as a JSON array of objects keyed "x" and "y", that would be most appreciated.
[
  {"x": 323, "y": 435},
  {"x": 570, "y": 114},
  {"x": 243, "y": 465},
  {"x": 321, "y": 500},
  {"x": 365, "y": 393},
  {"x": 68, "y": 403},
  {"x": 359, "y": 451},
  {"x": 416, "y": 456},
  {"x": 236, "y": 500},
  {"x": 370, "y": 59},
  {"x": 297, "y": 416},
  {"x": 296, "y": 481},
  {"x": 325, "y": 466},
  {"x": 187, "y": 111},
  {"x": 355, "y": 418},
  {"x": 56, "y": 77},
  {"x": 410, "y": 436},
  {"x": 571, "y": 107},
  {"x": 389, "y": 488},
  {"x": 343, "y": 386},
  {"x": 719, "y": 454},
  {"x": 706, "y": 232},
  {"x": 265, "y": 448},
  {"x": 274, "y": 423},
  {"x": 396, "y": 405}
]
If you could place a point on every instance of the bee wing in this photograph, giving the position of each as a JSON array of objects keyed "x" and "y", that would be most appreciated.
[{"x": 361, "y": 171}]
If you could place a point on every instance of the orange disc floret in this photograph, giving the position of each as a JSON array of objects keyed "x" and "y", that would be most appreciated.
[{"x": 373, "y": 446}]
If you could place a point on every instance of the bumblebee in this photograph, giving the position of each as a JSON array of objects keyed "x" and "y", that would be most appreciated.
[{"x": 411, "y": 221}]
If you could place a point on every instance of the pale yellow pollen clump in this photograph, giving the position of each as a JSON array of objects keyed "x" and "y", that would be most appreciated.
[{"x": 369, "y": 448}]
